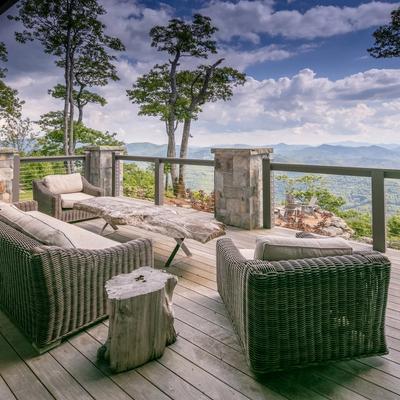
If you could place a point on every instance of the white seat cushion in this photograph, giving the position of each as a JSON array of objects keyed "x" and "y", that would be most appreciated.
[
  {"x": 277, "y": 248},
  {"x": 248, "y": 254},
  {"x": 81, "y": 238},
  {"x": 70, "y": 183},
  {"x": 69, "y": 199},
  {"x": 35, "y": 227}
]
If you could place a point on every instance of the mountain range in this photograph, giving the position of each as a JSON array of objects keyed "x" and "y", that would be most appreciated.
[{"x": 345, "y": 154}]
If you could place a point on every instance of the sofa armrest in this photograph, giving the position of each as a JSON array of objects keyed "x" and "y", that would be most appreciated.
[
  {"x": 72, "y": 280},
  {"x": 29, "y": 205},
  {"x": 48, "y": 202},
  {"x": 88, "y": 188}
]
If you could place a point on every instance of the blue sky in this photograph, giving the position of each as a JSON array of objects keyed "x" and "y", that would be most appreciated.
[{"x": 310, "y": 78}]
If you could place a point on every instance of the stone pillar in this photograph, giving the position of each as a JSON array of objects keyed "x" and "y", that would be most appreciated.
[
  {"x": 238, "y": 186},
  {"x": 6, "y": 173},
  {"x": 99, "y": 167}
]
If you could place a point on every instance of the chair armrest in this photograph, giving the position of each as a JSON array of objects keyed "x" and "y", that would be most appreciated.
[
  {"x": 48, "y": 202},
  {"x": 72, "y": 280},
  {"x": 29, "y": 205},
  {"x": 88, "y": 188},
  {"x": 277, "y": 307}
]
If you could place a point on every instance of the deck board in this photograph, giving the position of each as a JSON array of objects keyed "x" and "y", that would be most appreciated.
[{"x": 206, "y": 362}]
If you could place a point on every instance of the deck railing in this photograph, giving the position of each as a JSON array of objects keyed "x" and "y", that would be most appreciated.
[
  {"x": 159, "y": 163},
  {"x": 28, "y": 168},
  {"x": 377, "y": 175}
]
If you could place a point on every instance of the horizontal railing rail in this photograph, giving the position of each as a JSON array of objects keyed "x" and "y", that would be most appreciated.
[
  {"x": 25, "y": 170},
  {"x": 159, "y": 163},
  {"x": 335, "y": 170},
  {"x": 167, "y": 160},
  {"x": 377, "y": 175},
  {"x": 51, "y": 159}
]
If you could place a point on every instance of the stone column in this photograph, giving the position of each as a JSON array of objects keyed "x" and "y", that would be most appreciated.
[
  {"x": 6, "y": 173},
  {"x": 238, "y": 186},
  {"x": 99, "y": 167}
]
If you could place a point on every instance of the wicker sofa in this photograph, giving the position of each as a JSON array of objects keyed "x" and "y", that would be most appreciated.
[
  {"x": 50, "y": 292},
  {"x": 52, "y": 204},
  {"x": 304, "y": 312}
]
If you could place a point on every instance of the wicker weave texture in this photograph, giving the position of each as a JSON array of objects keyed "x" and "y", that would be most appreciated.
[
  {"x": 51, "y": 292},
  {"x": 50, "y": 203},
  {"x": 305, "y": 312}
]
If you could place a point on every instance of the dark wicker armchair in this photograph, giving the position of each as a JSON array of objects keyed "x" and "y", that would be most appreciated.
[
  {"x": 51, "y": 204},
  {"x": 305, "y": 312}
]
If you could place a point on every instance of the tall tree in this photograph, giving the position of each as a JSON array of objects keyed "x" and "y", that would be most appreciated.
[
  {"x": 387, "y": 38},
  {"x": 180, "y": 39},
  {"x": 81, "y": 98},
  {"x": 71, "y": 31},
  {"x": 209, "y": 83}
]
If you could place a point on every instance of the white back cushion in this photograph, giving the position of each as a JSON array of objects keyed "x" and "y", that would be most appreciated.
[
  {"x": 278, "y": 248},
  {"x": 59, "y": 184},
  {"x": 81, "y": 238},
  {"x": 35, "y": 228}
]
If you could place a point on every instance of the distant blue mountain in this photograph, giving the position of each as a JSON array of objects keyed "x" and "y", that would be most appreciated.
[{"x": 382, "y": 156}]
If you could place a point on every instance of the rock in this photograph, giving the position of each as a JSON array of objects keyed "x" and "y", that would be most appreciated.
[
  {"x": 339, "y": 223},
  {"x": 332, "y": 231}
]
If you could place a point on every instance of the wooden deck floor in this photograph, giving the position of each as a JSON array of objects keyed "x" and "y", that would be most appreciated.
[{"x": 206, "y": 362}]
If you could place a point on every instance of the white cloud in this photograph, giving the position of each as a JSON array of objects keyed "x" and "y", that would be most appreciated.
[
  {"x": 248, "y": 19},
  {"x": 306, "y": 108}
]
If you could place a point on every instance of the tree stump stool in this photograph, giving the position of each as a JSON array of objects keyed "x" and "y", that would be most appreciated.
[{"x": 141, "y": 321}]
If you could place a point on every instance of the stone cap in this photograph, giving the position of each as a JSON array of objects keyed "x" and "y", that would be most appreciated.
[
  {"x": 104, "y": 148},
  {"x": 8, "y": 150},
  {"x": 250, "y": 151}
]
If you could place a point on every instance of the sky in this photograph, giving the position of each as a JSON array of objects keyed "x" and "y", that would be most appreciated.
[{"x": 310, "y": 79}]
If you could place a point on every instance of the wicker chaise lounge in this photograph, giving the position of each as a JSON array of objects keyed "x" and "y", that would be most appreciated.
[
  {"x": 53, "y": 203},
  {"x": 51, "y": 292},
  {"x": 304, "y": 312}
]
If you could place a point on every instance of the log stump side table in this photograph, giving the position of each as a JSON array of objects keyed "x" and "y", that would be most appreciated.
[{"x": 141, "y": 321}]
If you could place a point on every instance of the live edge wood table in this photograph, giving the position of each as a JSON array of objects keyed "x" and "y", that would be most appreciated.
[
  {"x": 159, "y": 219},
  {"x": 141, "y": 318}
]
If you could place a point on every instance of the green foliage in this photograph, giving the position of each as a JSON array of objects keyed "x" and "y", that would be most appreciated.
[
  {"x": 138, "y": 182},
  {"x": 360, "y": 222},
  {"x": 185, "y": 39},
  {"x": 394, "y": 226},
  {"x": 51, "y": 143},
  {"x": 18, "y": 133},
  {"x": 307, "y": 186},
  {"x": 10, "y": 104},
  {"x": 82, "y": 98},
  {"x": 3, "y": 58},
  {"x": 387, "y": 38}
]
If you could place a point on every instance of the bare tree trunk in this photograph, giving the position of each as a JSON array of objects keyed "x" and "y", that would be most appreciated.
[
  {"x": 80, "y": 114},
  {"x": 171, "y": 150},
  {"x": 183, "y": 154},
  {"x": 71, "y": 110},
  {"x": 67, "y": 75},
  {"x": 171, "y": 123}
]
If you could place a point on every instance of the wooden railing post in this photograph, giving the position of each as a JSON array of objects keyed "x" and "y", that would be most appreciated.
[
  {"x": 378, "y": 210},
  {"x": 159, "y": 182},
  {"x": 268, "y": 194}
]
